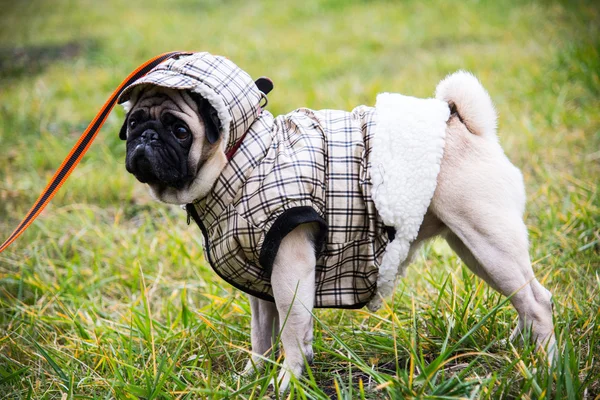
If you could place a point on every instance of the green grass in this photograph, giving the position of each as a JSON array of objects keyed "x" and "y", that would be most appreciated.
[{"x": 107, "y": 295}]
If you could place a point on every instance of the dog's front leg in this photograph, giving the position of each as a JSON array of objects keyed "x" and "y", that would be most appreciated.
[
  {"x": 293, "y": 282},
  {"x": 264, "y": 331}
]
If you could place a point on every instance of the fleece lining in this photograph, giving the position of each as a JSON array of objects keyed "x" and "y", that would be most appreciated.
[{"x": 407, "y": 152}]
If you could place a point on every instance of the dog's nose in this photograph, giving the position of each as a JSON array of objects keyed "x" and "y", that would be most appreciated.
[{"x": 150, "y": 135}]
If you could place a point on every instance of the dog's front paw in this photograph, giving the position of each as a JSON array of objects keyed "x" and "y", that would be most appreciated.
[
  {"x": 293, "y": 365},
  {"x": 285, "y": 375}
]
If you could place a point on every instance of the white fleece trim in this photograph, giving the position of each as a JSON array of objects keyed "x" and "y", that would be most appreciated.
[
  {"x": 126, "y": 106},
  {"x": 219, "y": 105},
  {"x": 405, "y": 160}
]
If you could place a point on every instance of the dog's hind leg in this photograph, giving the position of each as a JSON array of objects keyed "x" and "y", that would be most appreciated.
[
  {"x": 480, "y": 197},
  {"x": 264, "y": 331},
  {"x": 293, "y": 282},
  {"x": 532, "y": 301}
]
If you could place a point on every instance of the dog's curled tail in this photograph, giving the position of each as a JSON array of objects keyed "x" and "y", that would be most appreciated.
[{"x": 465, "y": 95}]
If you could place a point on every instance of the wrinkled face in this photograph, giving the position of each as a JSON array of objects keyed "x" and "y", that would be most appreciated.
[{"x": 171, "y": 136}]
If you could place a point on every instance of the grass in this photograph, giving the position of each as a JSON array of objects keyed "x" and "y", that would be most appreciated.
[{"x": 107, "y": 295}]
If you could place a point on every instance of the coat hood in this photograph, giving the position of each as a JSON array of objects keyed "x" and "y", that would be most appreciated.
[{"x": 228, "y": 88}]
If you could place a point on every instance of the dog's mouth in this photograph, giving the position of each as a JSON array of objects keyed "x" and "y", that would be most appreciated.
[
  {"x": 140, "y": 166},
  {"x": 155, "y": 165}
]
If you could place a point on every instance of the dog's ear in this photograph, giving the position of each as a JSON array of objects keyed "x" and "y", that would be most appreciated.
[
  {"x": 123, "y": 131},
  {"x": 212, "y": 123},
  {"x": 213, "y": 130}
]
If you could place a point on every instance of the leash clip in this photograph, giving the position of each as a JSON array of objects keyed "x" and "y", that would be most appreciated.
[
  {"x": 266, "y": 100},
  {"x": 265, "y": 85}
]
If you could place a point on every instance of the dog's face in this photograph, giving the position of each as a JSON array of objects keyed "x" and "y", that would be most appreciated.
[{"x": 173, "y": 143}]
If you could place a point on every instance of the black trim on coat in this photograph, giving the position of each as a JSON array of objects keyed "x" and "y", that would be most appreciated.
[
  {"x": 284, "y": 224},
  {"x": 391, "y": 233}
]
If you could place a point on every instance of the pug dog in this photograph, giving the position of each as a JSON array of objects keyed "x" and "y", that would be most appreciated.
[{"x": 183, "y": 137}]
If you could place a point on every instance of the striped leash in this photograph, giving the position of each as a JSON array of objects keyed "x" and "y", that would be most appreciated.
[{"x": 82, "y": 145}]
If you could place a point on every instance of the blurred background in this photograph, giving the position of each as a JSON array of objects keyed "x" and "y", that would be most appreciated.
[
  {"x": 59, "y": 61},
  {"x": 88, "y": 257}
]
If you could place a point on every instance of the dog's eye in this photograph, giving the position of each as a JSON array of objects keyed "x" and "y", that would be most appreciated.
[
  {"x": 132, "y": 123},
  {"x": 180, "y": 131}
]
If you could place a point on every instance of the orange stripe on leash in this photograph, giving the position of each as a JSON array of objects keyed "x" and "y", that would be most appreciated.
[{"x": 81, "y": 147}]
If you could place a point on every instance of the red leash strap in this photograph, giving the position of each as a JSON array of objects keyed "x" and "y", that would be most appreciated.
[
  {"x": 235, "y": 147},
  {"x": 81, "y": 147}
]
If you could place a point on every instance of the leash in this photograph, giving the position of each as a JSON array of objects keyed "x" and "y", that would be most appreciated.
[{"x": 82, "y": 145}]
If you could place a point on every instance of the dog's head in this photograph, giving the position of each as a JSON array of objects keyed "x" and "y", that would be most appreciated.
[
  {"x": 182, "y": 118},
  {"x": 173, "y": 143}
]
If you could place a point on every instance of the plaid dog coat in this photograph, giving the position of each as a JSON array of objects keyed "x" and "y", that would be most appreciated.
[{"x": 365, "y": 177}]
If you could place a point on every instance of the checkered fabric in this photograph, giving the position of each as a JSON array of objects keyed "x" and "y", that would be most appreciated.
[
  {"x": 306, "y": 166},
  {"x": 306, "y": 160}
]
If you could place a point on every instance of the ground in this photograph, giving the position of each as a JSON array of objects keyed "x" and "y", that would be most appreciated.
[{"x": 107, "y": 295}]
